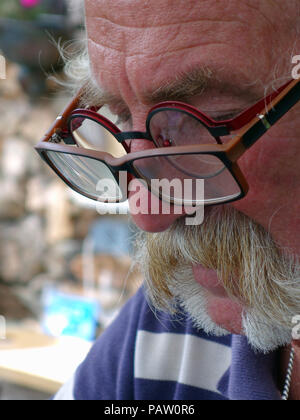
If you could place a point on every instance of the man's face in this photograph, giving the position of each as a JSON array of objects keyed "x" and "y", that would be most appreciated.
[{"x": 137, "y": 47}]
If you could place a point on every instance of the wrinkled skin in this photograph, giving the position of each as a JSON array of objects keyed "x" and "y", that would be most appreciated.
[{"x": 135, "y": 46}]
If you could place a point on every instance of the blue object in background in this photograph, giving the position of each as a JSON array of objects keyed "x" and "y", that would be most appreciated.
[
  {"x": 112, "y": 237},
  {"x": 70, "y": 315}
]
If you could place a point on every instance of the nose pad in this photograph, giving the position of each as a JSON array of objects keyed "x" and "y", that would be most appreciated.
[{"x": 164, "y": 142}]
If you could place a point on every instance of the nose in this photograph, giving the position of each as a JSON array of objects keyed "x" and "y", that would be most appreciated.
[{"x": 148, "y": 212}]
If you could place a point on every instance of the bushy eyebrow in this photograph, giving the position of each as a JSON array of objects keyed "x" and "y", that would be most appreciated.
[
  {"x": 185, "y": 85},
  {"x": 91, "y": 94}
]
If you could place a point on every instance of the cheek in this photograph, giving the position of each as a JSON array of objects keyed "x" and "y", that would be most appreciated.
[
  {"x": 270, "y": 171},
  {"x": 274, "y": 192}
]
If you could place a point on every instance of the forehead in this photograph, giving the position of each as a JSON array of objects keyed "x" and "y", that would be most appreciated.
[{"x": 139, "y": 44}]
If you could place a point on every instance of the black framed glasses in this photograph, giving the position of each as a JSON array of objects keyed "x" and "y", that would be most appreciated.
[{"x": 182, "y": 144}]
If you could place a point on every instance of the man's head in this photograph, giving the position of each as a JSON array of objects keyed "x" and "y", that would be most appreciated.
[{"x": 245, "y": 256}]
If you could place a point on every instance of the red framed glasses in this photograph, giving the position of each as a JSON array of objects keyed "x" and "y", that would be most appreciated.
[{"x": 83, "y": 147}]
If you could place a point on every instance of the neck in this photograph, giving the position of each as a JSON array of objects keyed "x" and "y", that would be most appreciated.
[{"x": 295, "y": 382}]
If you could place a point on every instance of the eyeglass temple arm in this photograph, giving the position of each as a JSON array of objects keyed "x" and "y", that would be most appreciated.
[
  {"x": 275, "y": 111},
  {"x": 58, "y": 128},
  {"x": 250, "y": 113},
  {"x": 259, "y": 125}
]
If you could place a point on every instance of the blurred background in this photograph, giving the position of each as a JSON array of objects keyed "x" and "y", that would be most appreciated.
[{"x": 64, "y": 269}]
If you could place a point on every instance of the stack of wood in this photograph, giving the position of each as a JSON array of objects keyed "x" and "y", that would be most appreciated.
[{"x": 41, "y": 230}]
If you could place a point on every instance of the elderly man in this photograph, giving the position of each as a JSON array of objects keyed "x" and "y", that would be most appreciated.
[{"x": 217, "y": 316}]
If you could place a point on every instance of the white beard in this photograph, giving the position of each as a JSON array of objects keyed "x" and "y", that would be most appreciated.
[{"x": 262, "y": 335}]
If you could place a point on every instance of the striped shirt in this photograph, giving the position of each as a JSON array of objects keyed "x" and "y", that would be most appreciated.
[{"x": 151, "y": 356}]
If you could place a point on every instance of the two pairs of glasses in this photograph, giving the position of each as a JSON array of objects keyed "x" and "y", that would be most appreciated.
[{"x": 84, "y": 147}]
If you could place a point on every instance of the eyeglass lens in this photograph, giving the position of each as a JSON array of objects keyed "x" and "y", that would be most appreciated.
[
  {"x": 90, "y": 134},
  {"x": 84, "y": 174},
  {"x": 167, "y": 128},
  {"x": 177, "y": 128}
]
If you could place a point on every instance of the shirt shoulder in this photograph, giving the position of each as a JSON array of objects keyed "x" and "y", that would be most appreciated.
[{"x": 143, "y": 349}]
